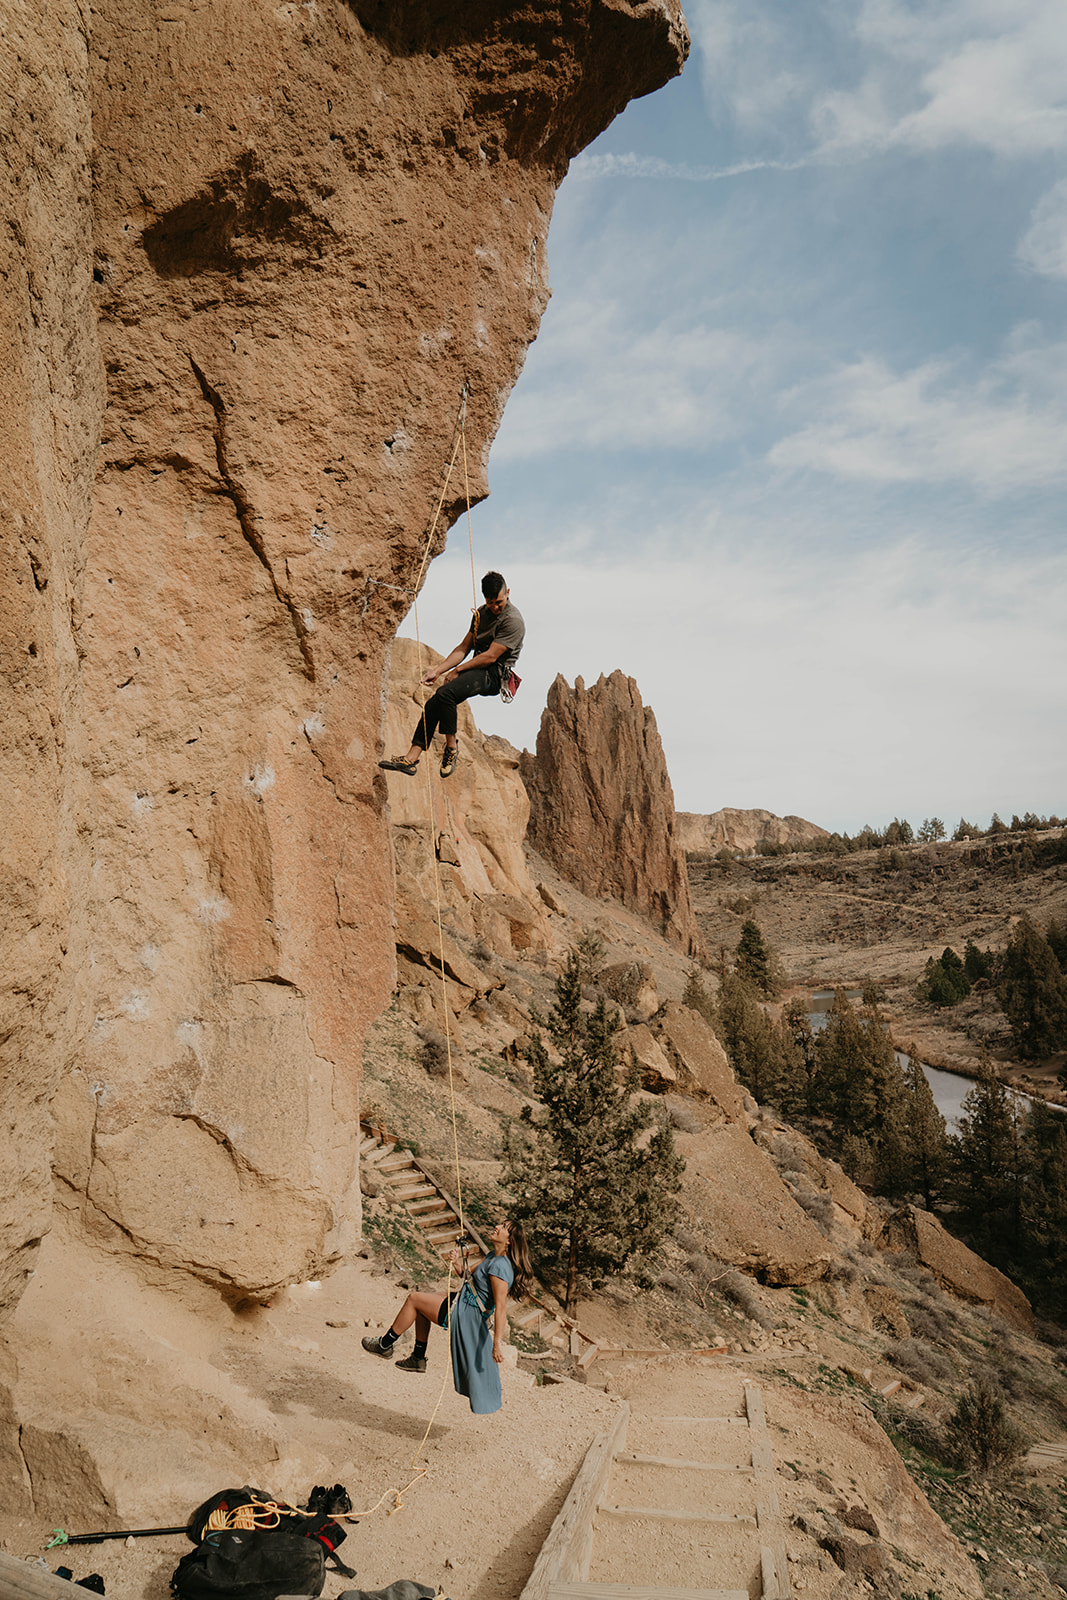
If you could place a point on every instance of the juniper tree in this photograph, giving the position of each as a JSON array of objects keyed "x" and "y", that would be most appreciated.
[
  {"x": 596, "y": 1179},
  {"x": 925, "y": 1132},
  {"x": 988, "y": 1158},
  {"x": 748, "y": 1038},
  {"x": 1045, "y": 1209},
  {"x": 754, "y": 960},
  {"x": 1033, "y": 992}
]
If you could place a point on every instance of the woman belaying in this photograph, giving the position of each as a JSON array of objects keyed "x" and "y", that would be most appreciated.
[{"x": 474, "y": 1315}]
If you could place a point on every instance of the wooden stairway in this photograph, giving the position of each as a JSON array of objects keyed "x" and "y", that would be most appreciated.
[
  {"x": 695, "y": 1502},
  {"x": 434, "y": 1210}
]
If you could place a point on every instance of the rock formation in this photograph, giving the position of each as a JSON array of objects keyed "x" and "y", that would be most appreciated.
[
  {"x": 255, "y": 254},
  {"x": 955, "y": 1267},
  {"x": 459, "y": 839},
  {"x": 743, "y": 830},
  {"x": 601, "y": 803}
]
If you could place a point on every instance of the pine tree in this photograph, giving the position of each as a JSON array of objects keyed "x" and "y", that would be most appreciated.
[
  {"x": 754, "y": 961},
  {"x": 1056, "y": 938},
  {"x": 596, "y": 1183},
  {"x": 988, "y": 1164},
  {"x": 858, "y": 1079},
  {"x": 796, "y": 1091},
  {"x": 750, "y": 1041},
  {"x": 1044, "y": 1211},
  {"x": 1033, "y": 992},
  {"x": 926, "y": 1133}
]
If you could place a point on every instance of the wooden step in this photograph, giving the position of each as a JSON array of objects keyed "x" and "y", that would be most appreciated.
[
  {"x": 528, "y": 1318},
  {"x": 395, "y": 1164},
  {"x": 438, "y": 1219},
  {"x": 640, "y": 1591},
  {"x": 426, "y": 1201},
  {"x": 676, "y": 1461},
  {"x": 446, "y": 1237},
  {"x": 380, "y": 1154},
  {"x": 371, "y": 1142},
  {"x": 657, "y": 1515}
]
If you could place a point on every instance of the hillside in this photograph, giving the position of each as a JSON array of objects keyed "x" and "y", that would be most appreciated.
[
  {"x": 778, "y": 1258},
  {"x": 878, "y": 916}
]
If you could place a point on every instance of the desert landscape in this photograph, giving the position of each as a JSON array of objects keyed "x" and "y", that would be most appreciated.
[{"x": 273, "y": 1018}]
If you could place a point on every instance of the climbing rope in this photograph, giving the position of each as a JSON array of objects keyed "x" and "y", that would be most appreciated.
[{"x": 459, "y": 445}]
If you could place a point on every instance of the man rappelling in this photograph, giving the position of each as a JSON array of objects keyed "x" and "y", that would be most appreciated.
[{"x": 495, "y": 636}]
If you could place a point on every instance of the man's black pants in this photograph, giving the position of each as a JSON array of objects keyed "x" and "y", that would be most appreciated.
[{"x": 441, "y": 710}]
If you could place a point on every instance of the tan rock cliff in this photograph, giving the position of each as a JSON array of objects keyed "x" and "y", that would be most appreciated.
[
  {"x": 457, "y": 842},
  {"x": 743, "y": 830},
  {"x": 255, "y": 254},
  {"x": 601, "y": 803}
]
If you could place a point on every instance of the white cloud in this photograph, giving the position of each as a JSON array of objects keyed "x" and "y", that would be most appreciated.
[
  {"x": 1043, "y": 248},
  {"x": 604, "y": 383},
  {"x": 929, "y": 426},
  {"x": 873, "y": 74}
]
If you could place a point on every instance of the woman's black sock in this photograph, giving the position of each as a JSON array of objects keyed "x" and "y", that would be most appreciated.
[
  {"x": 419, "y": 1351},
  {"x": 388, "y": 1339}
]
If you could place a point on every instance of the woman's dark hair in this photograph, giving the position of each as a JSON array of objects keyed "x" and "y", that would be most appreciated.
[
  {"x": 519, "y": 1256},
  {"x": 492, "y": 584}
]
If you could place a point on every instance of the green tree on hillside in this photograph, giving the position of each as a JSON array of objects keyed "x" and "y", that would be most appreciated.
[
  {"x": 1056, "y": 937},
  {"x": 944, "y": 981},
  {"x": 977, "y": 963},
  {"x": 1044, "y": 1210},
  {"x": 1033, "y": 992},
  {"x": 858, "y": 1076},
  {"x": 932, "y": 830},
  {"x": 596, "y": 1180},
  {"x": 988, "y": 1161},
  {"x": 751, "y": 1042},
  {"x": 899, "y": 832},
  {"x": 925, "y": 1133},
  {"x": 754, "y": 960}
]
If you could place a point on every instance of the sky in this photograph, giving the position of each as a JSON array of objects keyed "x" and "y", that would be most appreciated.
[{"x": 790, "y": 449}]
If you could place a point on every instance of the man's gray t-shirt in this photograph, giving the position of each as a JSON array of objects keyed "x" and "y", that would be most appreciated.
[{"x": 507, "y": 629}]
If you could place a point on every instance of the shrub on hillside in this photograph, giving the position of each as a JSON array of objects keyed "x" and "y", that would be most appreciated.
[
  {"x": 920, "y": 1361},
  {"x": 982, "y": 1435}
]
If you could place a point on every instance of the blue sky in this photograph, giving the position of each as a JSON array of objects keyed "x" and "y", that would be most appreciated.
[{"x": 791, "y": 447}]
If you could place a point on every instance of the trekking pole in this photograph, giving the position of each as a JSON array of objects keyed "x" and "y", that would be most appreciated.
[{"x": 59, "y": 1537}]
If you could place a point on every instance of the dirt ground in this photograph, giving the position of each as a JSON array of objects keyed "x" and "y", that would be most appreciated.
[{"x": 479, "y": 1494}]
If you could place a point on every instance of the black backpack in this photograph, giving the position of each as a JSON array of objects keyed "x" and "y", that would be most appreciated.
[{"x": 255, "y": 1563}]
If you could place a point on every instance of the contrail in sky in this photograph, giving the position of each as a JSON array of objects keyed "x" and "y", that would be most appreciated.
[{"x": 631, "y": 165}]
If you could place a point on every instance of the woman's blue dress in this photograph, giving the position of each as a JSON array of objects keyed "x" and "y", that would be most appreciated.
[{"x": 474, "y": 1371}]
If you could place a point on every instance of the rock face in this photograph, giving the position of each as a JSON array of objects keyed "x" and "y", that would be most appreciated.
[
  {"x": 955, "y": 1267},
  {"x": 601, "y": 803},
  {"x": 459, "y": 839},
  {"x": 236, "y": 347},
  {"x": 743, "y": 830},
  {"x": 734, "y": 1189}
]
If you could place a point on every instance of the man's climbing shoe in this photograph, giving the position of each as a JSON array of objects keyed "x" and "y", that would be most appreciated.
[
  {"x": 377, "y": 1348},
  {"x": 395, "y": 764},
  {"x": 448, "y": 761},
  {"x": 411, "y": 1363}
]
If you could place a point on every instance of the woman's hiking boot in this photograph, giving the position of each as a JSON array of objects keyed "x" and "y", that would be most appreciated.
[
  {"x": 448, "y": 760},
  {"x": 377, "y": 1348},
  {"x": 411, "y": 1363}
]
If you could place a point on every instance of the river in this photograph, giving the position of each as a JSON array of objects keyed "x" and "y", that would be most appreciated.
[{"x": 948, "y": 1088}]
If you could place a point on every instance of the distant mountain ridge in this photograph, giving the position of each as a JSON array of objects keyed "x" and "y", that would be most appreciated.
[{"x": 743, "y": 830}]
